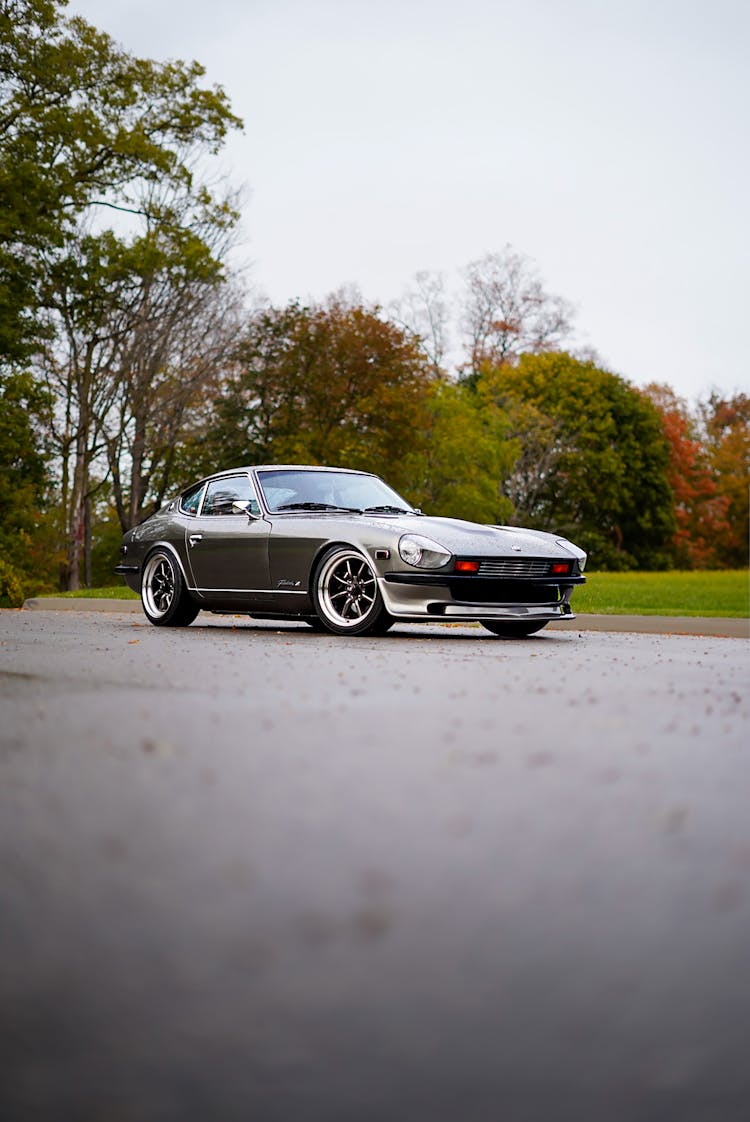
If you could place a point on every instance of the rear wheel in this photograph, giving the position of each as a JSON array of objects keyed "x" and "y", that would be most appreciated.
[
  {"x": 513, "y": 630},
  {"x": 165, "y": 599},
  {"x": 346, "y": 594}
]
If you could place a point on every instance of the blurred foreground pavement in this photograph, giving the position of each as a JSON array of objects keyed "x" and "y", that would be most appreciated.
[{"x": 248, "y": 872}]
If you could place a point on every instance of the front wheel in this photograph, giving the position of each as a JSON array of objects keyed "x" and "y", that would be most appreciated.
[
  {"x": 165, "y": 599},
  {"x": 314, "y": 622},
  {"x": 346, "y": 594},
  {"x": 513, "y": 630}
]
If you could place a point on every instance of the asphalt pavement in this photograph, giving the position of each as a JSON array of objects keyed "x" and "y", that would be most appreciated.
[{"x": 251, "y": 873}]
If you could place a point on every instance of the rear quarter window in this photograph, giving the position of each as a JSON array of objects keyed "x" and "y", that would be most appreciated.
[{"x": 190, "y": 501}]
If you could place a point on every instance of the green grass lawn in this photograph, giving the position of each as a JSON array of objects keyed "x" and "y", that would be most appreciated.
[
  {"x": 720, "y": 593},
  {"x": 118, "y": 592}
]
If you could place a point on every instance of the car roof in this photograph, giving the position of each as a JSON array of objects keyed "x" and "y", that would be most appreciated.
[
  {"x": 286, "y": 467},
  {"x": 272, "y": 467},
  {"x": 306, "y": 467}
]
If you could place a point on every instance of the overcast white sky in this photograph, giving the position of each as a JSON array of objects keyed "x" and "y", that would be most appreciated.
[{"x": 606, "y": 139}]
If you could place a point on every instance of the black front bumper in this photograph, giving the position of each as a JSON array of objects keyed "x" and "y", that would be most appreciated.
[{"x": 478, "y": 590}]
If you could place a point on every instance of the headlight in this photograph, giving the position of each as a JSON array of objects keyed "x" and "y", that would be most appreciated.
[
  {"x": 581, "y": 557},
  {"x": 422, "y": 552}
]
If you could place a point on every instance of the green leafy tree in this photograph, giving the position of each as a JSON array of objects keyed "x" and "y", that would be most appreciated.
[
  {"x": 457, "y": 468},
  {"x": 83, "y": 123},
  {"x": 91, "y": 134},
  {"x": 326, "y": 384},
  {"x": 602, "y": 472},
  {"x": 26, "y": 554}
]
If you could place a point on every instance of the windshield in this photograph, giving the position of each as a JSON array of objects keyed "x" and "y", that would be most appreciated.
[{"x": 287, "y": 489}]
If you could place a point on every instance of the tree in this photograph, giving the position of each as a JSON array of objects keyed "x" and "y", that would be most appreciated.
[
  {"x": 333, "y": 383},
  {"x": 602, "y": 478},
  {"x": 423, "y": 310},
  {"x": 456, "y": 469},
  {"x": 507, "y": 312},
  {"x": 82, "y": 124},
  {"x": 24, "y": 484},
  {"x": 139, "y": 331},
  {"x": 700, "y": 511},
  {"x": 87, "y": 320},
  {"x": 725, "y": 424},
  {"x": 172, "y": 365},
  {"x": 535, "y": 446},
  {"x": 88, "y": 131}
]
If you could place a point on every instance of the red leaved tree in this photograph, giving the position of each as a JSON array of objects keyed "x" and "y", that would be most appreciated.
[{"x": 700, "y": 509}]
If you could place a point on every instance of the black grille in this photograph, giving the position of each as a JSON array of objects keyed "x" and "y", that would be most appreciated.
[
  {"x": 474, "y": 590},
  {"x": 514, "y": 567}
]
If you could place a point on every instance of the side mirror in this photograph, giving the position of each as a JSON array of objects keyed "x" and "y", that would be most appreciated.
[{"x": 244, "y": 508}]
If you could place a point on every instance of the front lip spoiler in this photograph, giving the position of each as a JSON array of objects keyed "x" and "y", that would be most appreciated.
[{"x": 479, "y": 612}]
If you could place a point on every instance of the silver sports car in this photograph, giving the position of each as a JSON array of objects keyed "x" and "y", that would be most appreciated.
[{"x": 342, "y": 551}]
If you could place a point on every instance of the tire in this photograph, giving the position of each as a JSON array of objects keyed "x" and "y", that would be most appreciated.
[
  {"x": 165, "y": 599},
  {"x": 513, "y": 630},
  {"x": 346, "y": 595},
  {"x": 385, "y": 623}
]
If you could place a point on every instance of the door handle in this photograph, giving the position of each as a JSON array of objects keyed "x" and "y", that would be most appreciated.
[{"x": 193, "y": 538}]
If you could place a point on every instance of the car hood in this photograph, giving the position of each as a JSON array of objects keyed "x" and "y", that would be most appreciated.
[{"x": 473, "y": 539}]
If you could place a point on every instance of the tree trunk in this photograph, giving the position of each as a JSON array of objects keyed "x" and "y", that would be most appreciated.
[
  {"x": 87, "y": 541},
  {"x": 75, "y": 550},
  {"x": 136, "y": 471},
  {"x": 76, "y": 513}
]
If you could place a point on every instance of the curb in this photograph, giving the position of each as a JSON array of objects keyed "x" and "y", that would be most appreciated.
[
  {"x": 731, "y": 628},
  {"x": 718, "y": 626},
  {"x": 79, "y": 604}
]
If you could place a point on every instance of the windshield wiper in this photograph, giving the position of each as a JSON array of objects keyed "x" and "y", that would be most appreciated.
[
  {"x": 386, "y": 508},
  {"x": 319, "y": 506}
]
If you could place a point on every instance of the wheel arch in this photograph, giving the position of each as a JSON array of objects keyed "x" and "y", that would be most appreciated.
[
  {"x": 320, "y": 554},
  {"x": 154, "y": 547}
]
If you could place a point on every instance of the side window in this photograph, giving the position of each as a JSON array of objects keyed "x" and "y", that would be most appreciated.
[
  {"x": 190, "y": 500},
  {"x": 221, "y": 493}
]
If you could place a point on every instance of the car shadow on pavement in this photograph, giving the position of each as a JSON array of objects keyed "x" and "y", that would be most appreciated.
[{"x": 400, "y": 632}]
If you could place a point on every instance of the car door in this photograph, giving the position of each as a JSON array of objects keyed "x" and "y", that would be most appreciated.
[{"x": 228, "y": 551}]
